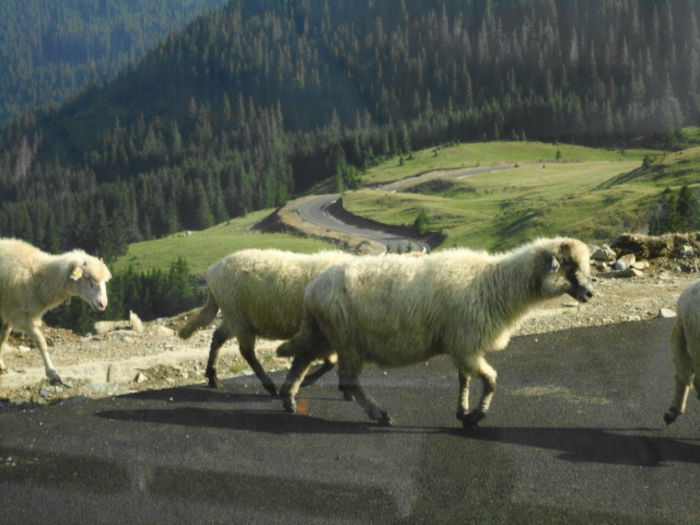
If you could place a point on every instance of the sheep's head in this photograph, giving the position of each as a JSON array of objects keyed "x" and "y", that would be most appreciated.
[
  {"x": 566, "y": 269},
  {"x": 88, "y": 279}
]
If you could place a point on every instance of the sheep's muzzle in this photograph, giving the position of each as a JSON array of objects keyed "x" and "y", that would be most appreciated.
[{"x": 581, "y": 293}]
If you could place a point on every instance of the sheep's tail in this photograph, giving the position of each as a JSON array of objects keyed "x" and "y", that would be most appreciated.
[{"x": 200, "y": 318}]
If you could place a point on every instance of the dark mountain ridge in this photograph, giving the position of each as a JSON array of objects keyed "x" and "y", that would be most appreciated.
[{"x": 51, "y": 49}]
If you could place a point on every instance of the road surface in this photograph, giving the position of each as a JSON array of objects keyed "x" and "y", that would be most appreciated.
[
  {"x": 316, "y": 211},
  {"x": 574, "y": 435}
]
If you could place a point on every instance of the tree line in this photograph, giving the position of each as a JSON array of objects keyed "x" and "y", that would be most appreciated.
[
  {"x": 150, "y": 294},
  {"x": 675, "y": 212}
]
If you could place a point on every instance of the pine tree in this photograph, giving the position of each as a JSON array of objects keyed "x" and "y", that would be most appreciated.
[
  {"x": 688, "y": 209},
  {"x": 202, "y": 213}
]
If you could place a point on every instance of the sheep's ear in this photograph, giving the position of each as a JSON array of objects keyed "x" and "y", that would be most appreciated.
[
  {"x": 76, "y": 274},
  {"x": 551, "y": 263}
]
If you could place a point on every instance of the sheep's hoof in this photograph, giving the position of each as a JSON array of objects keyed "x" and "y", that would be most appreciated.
[
  {"x": 347, "y": 395},
  {"x": 54, "y": 378},
  {"x": 670, "y": 416},
  {"x": 214, "y": 381},
  {"x": 385, "y": 420},
  {"x": 271, "y": 388},
  {"x": 471, "y": 420},
  {"x": 289, "y": 405}
]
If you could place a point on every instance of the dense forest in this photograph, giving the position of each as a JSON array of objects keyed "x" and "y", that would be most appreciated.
[
  {"x": 254, "y": 103},
  {"x": 51, "y": 49}
]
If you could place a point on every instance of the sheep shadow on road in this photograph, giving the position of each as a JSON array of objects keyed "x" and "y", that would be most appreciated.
[
  {"x": 200, "y": 394},
  {"x": 242, "y": 420},
  {"x": 599, "y": 445}
]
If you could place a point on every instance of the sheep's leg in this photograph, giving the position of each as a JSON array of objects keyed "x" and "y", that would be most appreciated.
[
  {"x": 326, "y": 367},
  {"x": 463, "y": 406},
  {"x": 314, "y": 376},
  {"x": 300, "y": 365},
  {"x": 221, "y": 335},
  {"x": 246, "y": 344},
  {"x": 683, "y": 380},
  {"x": 488, "y": 379},
  {"x": 349, "y": 383},
  {"x": 33, "y": 331},
  {"x": 4, "y": 333},
  {"x": 680, "y": 397},
  {"x": 684, "y": 374}
]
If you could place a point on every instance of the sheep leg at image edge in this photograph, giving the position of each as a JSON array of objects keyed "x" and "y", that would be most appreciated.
[
  {"x": 4, "y": 333},
  {"x": 683, "y": 378},
  {"x": 680, "y": 398},
  {"x": 463, "y": 404}
]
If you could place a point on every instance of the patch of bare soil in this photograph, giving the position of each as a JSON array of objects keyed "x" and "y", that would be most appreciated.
[
  {"x": 124, "y": 360},
  {"x": 117, "y": 362}
]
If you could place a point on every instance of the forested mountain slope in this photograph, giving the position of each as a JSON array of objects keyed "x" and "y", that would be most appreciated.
[
  {"x": 51, "y": 49},
  {"x": 255, "y": 102}
]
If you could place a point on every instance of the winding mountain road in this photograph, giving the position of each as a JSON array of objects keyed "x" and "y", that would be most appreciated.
[{"x": 319, "y": 211}]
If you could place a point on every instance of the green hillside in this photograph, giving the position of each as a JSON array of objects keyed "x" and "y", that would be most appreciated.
[
  {"x": 588, "y": 193},
  {"x": 201, "y": 248},
  {"x": 592, "y": 194}
]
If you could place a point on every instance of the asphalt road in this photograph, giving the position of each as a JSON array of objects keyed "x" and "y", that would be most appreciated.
[
  {"x": 575, "y": 435},
  {"x": 316, "y": 211}
]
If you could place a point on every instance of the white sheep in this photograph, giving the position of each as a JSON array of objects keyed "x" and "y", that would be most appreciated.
[
  {"x": 32, "y": 282},
  {"x": 685, "y": 350},
  {"x": 397, "y": 311},
  {"x": 260, "y": 294}
]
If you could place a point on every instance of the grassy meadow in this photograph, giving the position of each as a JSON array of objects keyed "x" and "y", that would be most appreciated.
[
  {"x": 202, "y": 248},
  {"x": 476, "y": 154},
  {"x": 555, "y": 189}
]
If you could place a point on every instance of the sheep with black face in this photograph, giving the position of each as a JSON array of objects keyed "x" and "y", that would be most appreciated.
[{"x": 397, "y": 311}]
